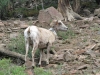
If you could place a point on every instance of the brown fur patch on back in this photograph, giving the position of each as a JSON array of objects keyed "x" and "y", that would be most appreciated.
[{"x": 56, "y": 22}]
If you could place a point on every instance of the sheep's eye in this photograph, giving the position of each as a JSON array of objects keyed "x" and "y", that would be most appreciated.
[{"x": 59, "y": 23}]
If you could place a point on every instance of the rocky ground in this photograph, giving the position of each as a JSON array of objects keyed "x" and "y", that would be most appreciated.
[{"x": 76, "y": 55}]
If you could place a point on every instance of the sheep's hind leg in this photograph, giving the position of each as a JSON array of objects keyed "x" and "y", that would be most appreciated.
[
  {"x": 27, "y": 48},
  {"x": 33, "y": 53}
]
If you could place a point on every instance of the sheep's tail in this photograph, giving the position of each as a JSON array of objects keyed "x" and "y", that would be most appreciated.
[{"x": 28, "y": 32}]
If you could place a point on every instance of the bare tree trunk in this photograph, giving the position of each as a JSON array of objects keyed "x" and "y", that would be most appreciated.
[
  {"x": 65, "y": 8},
  {"x": 35, "y": 4},
  {"x": 76, "y": 5},
  {"x": 42, "y": 4}
]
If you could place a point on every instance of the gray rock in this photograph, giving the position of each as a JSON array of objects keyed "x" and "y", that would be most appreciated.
[
  {"x": 49, "y": 14},
  {"x": 87, "y": 12},
  {"x": 13, "y": 35},
  {"x": 97, "y": 12}
]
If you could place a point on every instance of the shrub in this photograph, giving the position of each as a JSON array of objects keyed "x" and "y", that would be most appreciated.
[
  {"x": 25, "y": 12},
  {"x": 4, "y": 8}
]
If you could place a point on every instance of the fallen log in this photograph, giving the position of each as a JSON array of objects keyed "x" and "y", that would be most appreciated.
[{"x": 13, "y": 54}]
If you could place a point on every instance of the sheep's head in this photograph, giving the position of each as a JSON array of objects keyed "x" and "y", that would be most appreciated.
[{"x": 58, "y": 25}]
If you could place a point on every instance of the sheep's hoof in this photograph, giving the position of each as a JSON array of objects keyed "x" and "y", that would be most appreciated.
[
  {"x": 47, "y": 62},
  {"x": 33, "y": 67},
  {"x": 39, "y": 65}
]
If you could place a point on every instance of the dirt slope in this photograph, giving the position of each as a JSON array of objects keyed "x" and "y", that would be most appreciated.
[{"x": 79, "y": 54}]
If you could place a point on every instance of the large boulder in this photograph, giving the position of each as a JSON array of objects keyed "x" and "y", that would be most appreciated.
[
  {"x": 49, "y": 14},
  {"x": 62, "y": 56}
]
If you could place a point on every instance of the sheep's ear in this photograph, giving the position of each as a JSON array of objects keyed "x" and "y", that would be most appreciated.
[{"x": 56, "y": 22}]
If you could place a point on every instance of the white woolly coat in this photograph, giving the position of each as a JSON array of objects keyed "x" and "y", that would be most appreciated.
[{"x": 40, "y": 36}]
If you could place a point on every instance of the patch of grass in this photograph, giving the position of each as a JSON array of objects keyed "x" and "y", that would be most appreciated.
[
  {"x": 41, "y": 71},
  {"x": 17, "y": 44},
  {"x": 66, "y": 35},
  {"x": 6, "y": 68}
]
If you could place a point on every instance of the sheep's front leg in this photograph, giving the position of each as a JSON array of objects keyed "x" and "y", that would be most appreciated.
[
  {"x": 27, "y": 48},
  {"x": 41, "y": 52},
  {"x": 48, "y": 49}
]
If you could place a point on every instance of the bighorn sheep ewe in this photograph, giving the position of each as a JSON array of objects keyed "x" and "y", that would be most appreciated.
[{"x": 41, "y": 38}]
